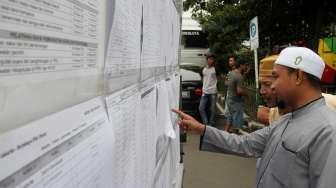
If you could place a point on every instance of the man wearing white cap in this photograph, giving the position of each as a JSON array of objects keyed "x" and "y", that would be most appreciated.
[
  {"x": 299, "y": 149},
  {"x": 273, "y": 109}
]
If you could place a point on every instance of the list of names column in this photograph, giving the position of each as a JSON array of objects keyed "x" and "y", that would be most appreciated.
[{"x": 40, "y": 36}]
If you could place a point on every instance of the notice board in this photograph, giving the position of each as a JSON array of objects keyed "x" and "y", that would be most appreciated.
[{"x": 73, "y": 72}]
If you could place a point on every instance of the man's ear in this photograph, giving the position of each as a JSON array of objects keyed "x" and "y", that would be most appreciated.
[{"x": 299, "y": 76}]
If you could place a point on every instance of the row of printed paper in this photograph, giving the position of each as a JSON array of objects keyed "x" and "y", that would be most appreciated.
[
  {"x": 51, "y": 41},
  {"x": 128, "y": 139}
]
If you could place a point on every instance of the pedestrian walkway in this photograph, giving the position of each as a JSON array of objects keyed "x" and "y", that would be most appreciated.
[{"x": 214, "y": 170}]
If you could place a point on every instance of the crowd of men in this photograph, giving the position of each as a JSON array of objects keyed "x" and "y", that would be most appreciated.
[{"x": 298, "y": 148}]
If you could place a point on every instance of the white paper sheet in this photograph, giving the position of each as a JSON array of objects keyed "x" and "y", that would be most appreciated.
[
  {"x": 167, "y": 160},
  {"x": 48, "y": 40},
  {"x": 146, "y": 135},
  {"x": 69, "y": 149},
  {"x": 164, "y": 110},
  {"x": 150, "y": 56},
  {"x": 122, "y": 110},
  {"x": 161, "y": 176},
  {"x": 167, "y": 147},
  {"x": 122, "y": 63},
  {"x": 173, "y": 93}
]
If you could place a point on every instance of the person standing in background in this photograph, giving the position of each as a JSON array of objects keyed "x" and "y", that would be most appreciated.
[
  {"x": 265, "y": 113},
  {"x": 273, "y": 109},
  {"x": 231, "y": 64},
  {"x": 235, "y": 98},
  {"x": 207, "y": 104}
]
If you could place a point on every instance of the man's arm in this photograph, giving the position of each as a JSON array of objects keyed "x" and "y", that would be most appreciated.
[
  {"x": 322, "y": 160},
  {"x": 251, "y": 145},
  {"x": 217, "y": 140},
  {"x": 218, "y": 77},
  {"x": 201, "y": 73},
  {"x": 241, "y": 90}
]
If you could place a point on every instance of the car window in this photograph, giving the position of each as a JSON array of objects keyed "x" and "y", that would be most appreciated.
[{"x": 188, "y": 75}]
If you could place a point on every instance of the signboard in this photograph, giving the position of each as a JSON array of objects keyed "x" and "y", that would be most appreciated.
[{"x": 254, "y": 35}]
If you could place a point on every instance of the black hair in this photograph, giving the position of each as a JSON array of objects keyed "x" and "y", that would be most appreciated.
[
  {"x": 313, "y": 80},
  {"x": 210, "y": 55},
  {"x": 233, "y": 56},
  {"x": 238, "y": 63}
]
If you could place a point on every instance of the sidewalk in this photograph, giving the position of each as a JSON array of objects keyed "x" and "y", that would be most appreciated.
[
  {"x": 250, "y": 125},
  {"x": 214, "y": 170}
]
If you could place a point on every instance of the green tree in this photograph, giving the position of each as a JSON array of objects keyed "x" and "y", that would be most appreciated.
[
  {"x": 225, "y": 23},
  {"x": 280, "y": 22}
]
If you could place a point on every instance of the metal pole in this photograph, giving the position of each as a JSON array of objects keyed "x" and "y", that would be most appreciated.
[
  {"x": 256, "y": 74},
  {"x": 256, "y": 67}
]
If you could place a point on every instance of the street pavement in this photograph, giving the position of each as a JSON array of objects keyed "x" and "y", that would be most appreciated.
[{"x": 214, "y": 170}]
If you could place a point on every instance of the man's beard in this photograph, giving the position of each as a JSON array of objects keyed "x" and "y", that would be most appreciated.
[{"x": 281, "y": 104}]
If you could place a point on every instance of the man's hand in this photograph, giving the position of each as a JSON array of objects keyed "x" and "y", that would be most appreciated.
[
  {"x": 262, "y": 114},
  {"x": 189, "y": 123}
]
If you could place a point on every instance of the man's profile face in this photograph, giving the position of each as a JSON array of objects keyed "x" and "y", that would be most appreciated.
[
  {"x": 232, "y": 62},
  {"x": 210, "y": 61},
  {"x": 283, "y": 84},
  {"x": 266, "y": 91}
]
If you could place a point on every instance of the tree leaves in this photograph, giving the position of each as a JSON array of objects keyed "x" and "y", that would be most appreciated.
[{"x": 280, "y": 22}]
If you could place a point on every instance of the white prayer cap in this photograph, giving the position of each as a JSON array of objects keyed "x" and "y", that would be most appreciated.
[{"x": 303, "y": 59}]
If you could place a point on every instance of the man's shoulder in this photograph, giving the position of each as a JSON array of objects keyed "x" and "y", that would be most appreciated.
[
  {"x": 212, "y": 68},
  {"x": 236, "y": 74},
  {"x": 237, "y": 77},
  {"x": 330, "y": 100},
  {"x": 278, "y": 119},
  {"x": 206, "y": 68},
  {"x": 325, "y": 118},
  {"x": 322, "y": 118},
  {"x": 328, "y": 116}
]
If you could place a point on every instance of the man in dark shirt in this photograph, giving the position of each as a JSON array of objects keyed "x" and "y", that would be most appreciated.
[{"x": 234, "y": 100}]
